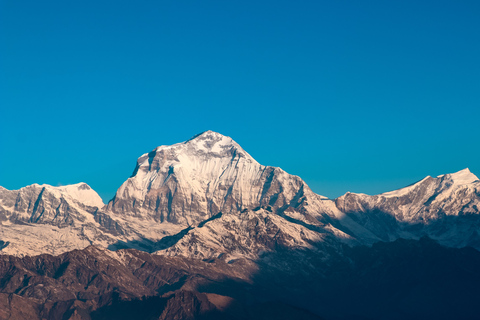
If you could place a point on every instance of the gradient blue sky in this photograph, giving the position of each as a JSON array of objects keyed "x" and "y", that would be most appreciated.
[{"x": 360, "y": 96}]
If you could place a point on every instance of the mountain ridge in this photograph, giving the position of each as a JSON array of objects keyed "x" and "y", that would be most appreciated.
[
  {"x": 201, "y": 230},
  {"x": 210, "y": 182}
]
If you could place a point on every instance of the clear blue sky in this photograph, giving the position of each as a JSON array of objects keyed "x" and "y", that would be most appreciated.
[{"x": 360, "y": 96}]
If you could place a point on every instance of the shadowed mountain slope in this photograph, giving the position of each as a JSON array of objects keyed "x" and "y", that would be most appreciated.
[{"x": 397, "y": 280}]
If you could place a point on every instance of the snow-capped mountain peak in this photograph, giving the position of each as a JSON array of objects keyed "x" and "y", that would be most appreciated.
[
  {"x": 208, "y": 143},
  {"x": 47, "y": 219},
  {"x": 189, "y": 182},
  {"x": 461, "y": 177},
  {"x": 80, "y": 192},
  {"x": 198, "y": 163}
]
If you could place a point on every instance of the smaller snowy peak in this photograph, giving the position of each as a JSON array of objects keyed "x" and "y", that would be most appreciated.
[
  {"x": 461, "y": 177},
  {"x": 82, "y": 193}
]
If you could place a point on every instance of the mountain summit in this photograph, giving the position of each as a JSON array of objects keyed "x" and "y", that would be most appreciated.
[
  {"x": 189, "y": 182},
  {"x": 461, "y": 177}
]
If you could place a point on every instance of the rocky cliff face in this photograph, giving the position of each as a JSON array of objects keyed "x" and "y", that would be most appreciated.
[{"x": 189, "y": 182}]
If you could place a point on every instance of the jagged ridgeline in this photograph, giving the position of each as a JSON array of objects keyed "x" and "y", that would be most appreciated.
[
  {"x": 201, "y": 230},
  {"x": 207, "y": 197}
]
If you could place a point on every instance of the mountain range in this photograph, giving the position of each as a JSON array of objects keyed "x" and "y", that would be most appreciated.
[{"x": 202, "y": 230}]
